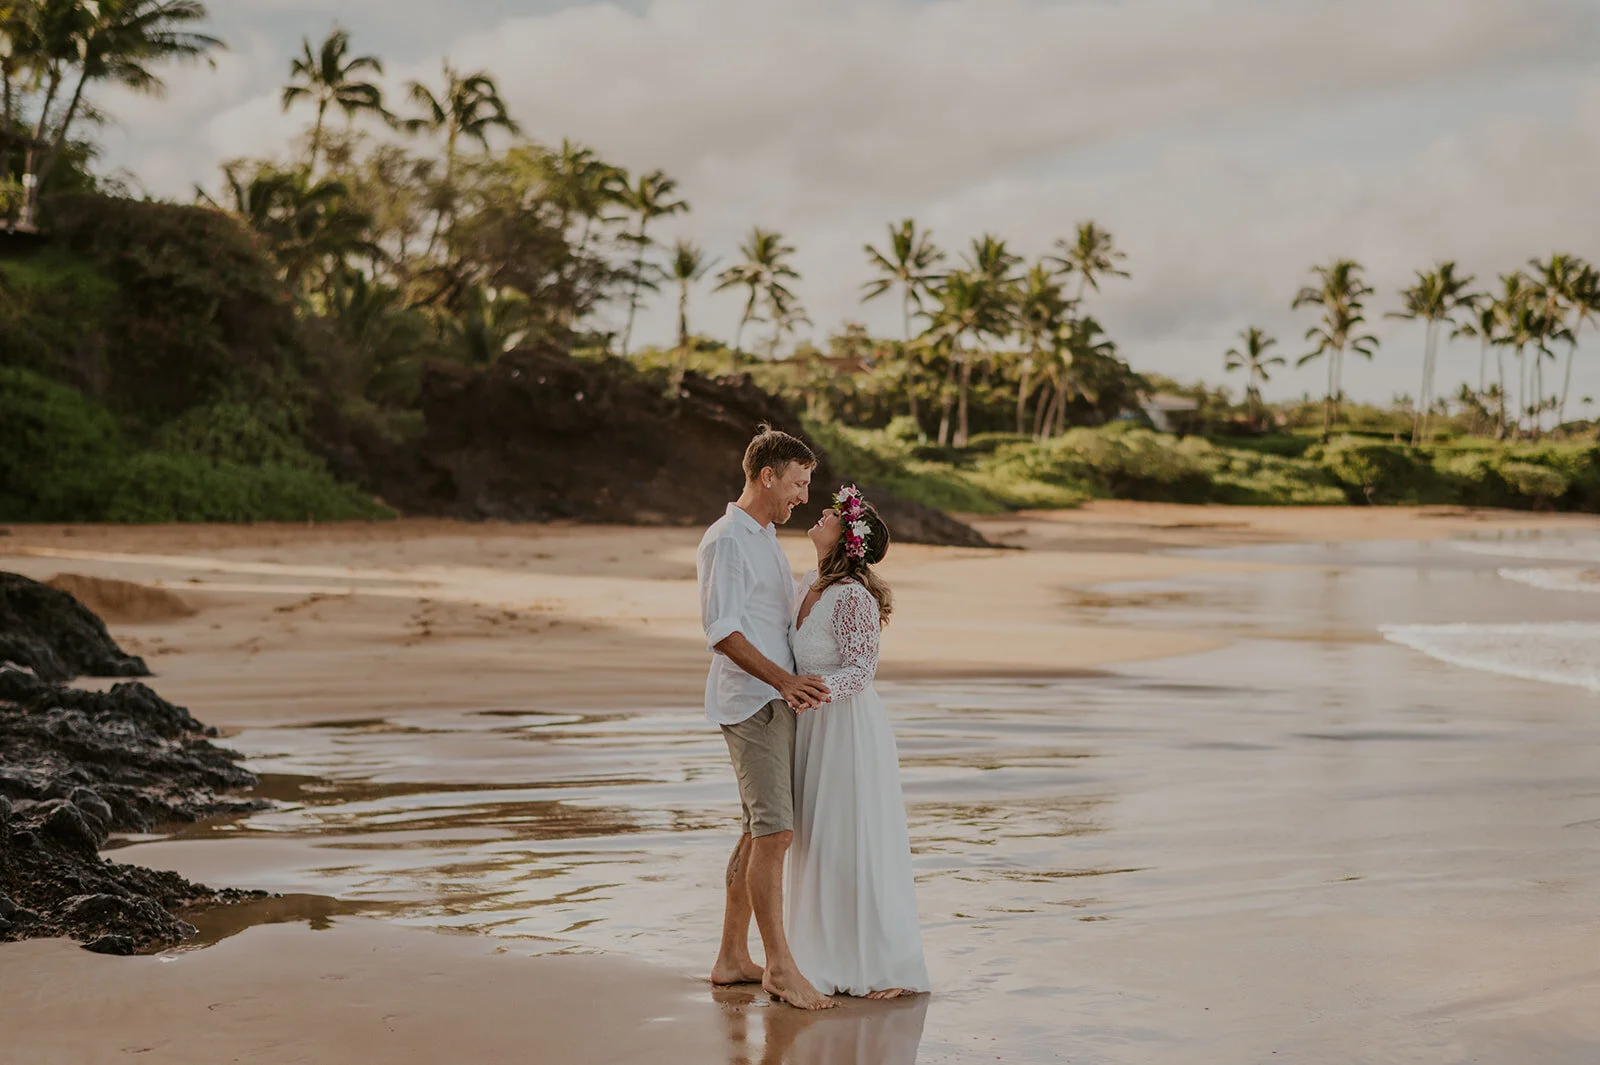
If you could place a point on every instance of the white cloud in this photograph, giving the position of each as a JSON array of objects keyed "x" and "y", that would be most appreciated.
[{"x": 1228, "y": 143}]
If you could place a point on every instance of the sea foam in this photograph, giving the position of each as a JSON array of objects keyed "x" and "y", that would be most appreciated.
[
  {"x": 1554, "y": 652},
  {"x": 1556, "y": 580}
]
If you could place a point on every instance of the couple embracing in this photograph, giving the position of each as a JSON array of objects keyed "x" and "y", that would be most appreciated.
[{"x": 819, "y": 776}]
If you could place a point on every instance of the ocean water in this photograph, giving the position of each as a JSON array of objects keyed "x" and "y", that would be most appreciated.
[
  {"x": 1557, "y": 652},
  {"x": 1457, "y": 601}
]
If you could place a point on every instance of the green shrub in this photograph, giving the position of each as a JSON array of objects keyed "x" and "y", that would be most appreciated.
[
  {"x": 62, "y": 458},
  {"x": 1121, "y": 464},
  {"x": 53, "y": 307},
  {"x": 1264, "y": 479},
  {"x": 56, "y": 448},
  {"x": 1373, "y": 472},
  {"x": 1538, "y": 483},
  {"x": 1281, "y": 444},
  {"x": 1476, "y": 478},
  {"x": 159, "y": 487},
  {"x": 240, "y": 433},
  {"x": 874, "y": 458},
  {"x": 191, "y": 308}
]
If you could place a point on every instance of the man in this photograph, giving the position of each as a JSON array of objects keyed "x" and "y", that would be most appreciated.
[{"x": 747, "y": 599}]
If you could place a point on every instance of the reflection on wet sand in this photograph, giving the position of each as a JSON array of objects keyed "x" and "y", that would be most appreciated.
[
  {"x": 1320, "y": 849},
  {"x": 857, "y": 1033},
  {"x": 318, "y": 912}
]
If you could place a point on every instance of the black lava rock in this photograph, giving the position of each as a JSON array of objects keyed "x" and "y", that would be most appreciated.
[
  {"x": 122, "y": 945},
  {"x": 78, "y": 765},
  {"x": 51, "y": 633},
  {"x": 540, "y": 434},
  {"x": 65, "y": 824}
]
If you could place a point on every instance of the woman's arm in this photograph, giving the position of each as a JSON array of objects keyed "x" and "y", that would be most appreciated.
[{"x": 856, "y": 627}]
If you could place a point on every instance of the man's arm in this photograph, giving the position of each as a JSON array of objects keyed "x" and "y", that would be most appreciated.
[{"x": 801, "y": 692}]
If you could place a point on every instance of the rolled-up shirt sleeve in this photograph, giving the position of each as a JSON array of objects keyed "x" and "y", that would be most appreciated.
[{"x": 724, "y": 593}]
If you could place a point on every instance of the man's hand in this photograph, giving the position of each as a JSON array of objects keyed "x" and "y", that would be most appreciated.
[{"x": 804, "y": 692}]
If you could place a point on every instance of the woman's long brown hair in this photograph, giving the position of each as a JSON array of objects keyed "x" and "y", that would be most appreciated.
[{"x": 837, "y": 566}]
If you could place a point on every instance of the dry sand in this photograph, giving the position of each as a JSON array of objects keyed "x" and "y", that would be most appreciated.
[{"x": 296, "y": 624}]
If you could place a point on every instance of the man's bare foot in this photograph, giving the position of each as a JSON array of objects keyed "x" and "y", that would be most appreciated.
[
  {"x": 888, "y": 992},
  {"x": 741, "y": 971},
  {"x": 796, "y": 990}
]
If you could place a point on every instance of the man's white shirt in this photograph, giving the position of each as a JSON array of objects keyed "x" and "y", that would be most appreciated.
[{"x": 746, "y": 586}]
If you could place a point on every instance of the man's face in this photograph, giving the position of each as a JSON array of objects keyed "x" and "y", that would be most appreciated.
[{"x": 790, "y": 488}]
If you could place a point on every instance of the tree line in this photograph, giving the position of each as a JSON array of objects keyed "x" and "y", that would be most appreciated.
[
  {"x": 405, "y": 232},
  {"x": 1531, "y": 312}
]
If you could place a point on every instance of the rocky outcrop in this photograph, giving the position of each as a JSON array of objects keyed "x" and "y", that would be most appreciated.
[
  {"x": 57, "y": 637},
  {"x": 542, "y": 436},
  {"x": 77, "y": 765}
]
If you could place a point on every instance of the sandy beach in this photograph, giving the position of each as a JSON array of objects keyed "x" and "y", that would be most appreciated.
[{"x": 1136, "y": 839}]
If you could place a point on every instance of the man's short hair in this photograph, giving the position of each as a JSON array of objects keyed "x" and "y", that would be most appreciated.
[{"x": 775, "y": 448}]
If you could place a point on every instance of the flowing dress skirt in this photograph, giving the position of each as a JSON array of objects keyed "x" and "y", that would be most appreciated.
[{"x": 851, "y": 897}]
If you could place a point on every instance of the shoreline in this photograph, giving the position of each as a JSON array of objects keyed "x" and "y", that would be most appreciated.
[
  {"x": 539, "y": 618},
  {"x": 342, "y": 621}
]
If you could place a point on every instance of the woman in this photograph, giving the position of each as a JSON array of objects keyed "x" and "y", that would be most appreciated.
[{"x": 852, "y": 901}]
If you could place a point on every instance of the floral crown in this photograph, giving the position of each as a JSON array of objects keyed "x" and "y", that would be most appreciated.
[{"x": 852, "y": 508}]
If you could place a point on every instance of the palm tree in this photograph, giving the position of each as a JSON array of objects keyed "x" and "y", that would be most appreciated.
[
  {"x": 328, "y": 77},
  {"x": 763, "y": 272},
  {"x": 583, "y": 185},
  {"x": 494, "y": 322},
  {"x": 1252, "y": 359},
  {"x": 1558, "y": 285},
  {"x": 1555, "y": 290},
  {"x": 1585, "y": 305},
  {"x": 1483, "y": 324},
  {"x": 115, "y": 41},
  {"x": 785, "y": 314},
  {"x": 1340, "y": 295},
  {"x": 651, "y": 197},
  {"x": 910, "y": 263},
  {"x": 689, "y": 266},
  {"x": 1091, "y": 256},
  {"x": 1042, "y": 310},
  {"x": 19, "y": 46},
  {"x": 1078, "y": 347},
  {"x": 974, "y": 302},
  {"x": 1518, "y": 311},
  {"x": 1437, "y": 297},
  {"x": 470, "y": 108},
  {"x": 309, "y": 226}
]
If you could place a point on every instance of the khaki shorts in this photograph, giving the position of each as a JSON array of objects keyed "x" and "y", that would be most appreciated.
[{"x": 762, "y": 750}]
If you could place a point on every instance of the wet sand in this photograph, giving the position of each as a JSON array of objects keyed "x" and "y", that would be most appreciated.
[{"x": 1164, "y": 808}]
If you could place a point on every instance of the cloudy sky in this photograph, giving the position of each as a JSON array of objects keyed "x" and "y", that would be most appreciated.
[{"x": 1228, "y": 144}]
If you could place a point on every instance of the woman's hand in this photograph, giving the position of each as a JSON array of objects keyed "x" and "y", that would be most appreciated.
[{"x": 803, "y": 692}]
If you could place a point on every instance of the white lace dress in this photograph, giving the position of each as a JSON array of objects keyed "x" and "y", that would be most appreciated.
[{"x": 852, "y": 901}]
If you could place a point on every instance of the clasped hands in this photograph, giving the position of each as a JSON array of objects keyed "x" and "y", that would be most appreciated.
[{"x": 804, "y": 692}]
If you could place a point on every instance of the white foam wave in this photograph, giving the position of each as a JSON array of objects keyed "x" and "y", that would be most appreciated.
[
  {"x": 1554, "y": 652},
  {"x": 1556, "y": 580},
  {"x": 1586, "y": 549}
]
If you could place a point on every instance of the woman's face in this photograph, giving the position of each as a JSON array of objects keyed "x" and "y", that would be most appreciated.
[{"x": 826, "y": 532}]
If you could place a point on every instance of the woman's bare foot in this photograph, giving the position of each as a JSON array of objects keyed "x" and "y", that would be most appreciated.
[
  {"x": 744, "y": 971},
  {"x": 888, "y": 992},
  {"x": 796, "y": 990}
]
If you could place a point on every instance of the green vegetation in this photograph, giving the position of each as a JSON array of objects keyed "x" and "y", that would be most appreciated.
[
  {"x": 64, "y": 458},
  {"x": 164, "y": 361},
  {"x": 999, "y": 472}
]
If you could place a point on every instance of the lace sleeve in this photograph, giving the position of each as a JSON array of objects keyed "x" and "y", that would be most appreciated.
[{"x": 856, "y": 628}]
